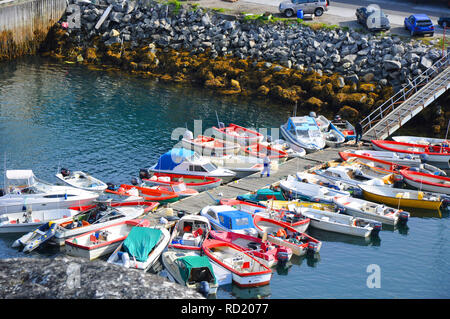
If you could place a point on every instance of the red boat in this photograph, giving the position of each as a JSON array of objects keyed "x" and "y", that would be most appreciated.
[
  {"x": 427, "y": 182},
  {"x": 225, "y": 257},
  {"x": 238, "y": 134},
  {"x": 199, "y": 183},
  {"x": 260, "y": 150},
  {"x": 265, "y": 252},
  {"x": 432, "y": 153},
  {"x": 153, "y": 195},
  {"x": 389, "y": 166}
]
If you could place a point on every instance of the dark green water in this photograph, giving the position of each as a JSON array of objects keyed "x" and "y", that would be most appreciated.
[{"x": 61, "y": 115}]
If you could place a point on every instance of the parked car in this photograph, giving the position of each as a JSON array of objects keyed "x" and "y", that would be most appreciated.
[
  {"x": 444, "y": 22},
  {"x": 419, "y": 24},
  {"x": 373, "y": 19},
  {"x": 290, "y": 8}
]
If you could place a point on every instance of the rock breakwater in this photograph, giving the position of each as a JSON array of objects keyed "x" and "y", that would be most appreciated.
[{"x": 336, "y": 70}]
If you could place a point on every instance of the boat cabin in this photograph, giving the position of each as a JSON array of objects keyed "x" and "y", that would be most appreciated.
[{"x": 304, "y": 126}]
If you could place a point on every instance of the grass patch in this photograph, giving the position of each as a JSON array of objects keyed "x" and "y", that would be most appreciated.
[
  {"x": 176, "y": 4},
  {"x": 221, "y": 10}
]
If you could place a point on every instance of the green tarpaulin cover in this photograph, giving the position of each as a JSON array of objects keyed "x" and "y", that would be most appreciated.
[
  {"x": 140, "y": 242},
  {"x": 187, "y": 263}
]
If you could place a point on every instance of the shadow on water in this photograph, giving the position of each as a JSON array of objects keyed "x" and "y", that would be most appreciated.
[
  {"x": 342, "y": 238},
  {"x": 250, "y": 293}
]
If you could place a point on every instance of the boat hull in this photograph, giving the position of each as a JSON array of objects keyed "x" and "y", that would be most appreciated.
[{"x": 403, "y": 202}]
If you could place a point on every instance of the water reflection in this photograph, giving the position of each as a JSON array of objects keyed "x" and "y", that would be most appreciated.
[
  {"x": 326, "y": 236},
  {"x": 251, "y": 293}
]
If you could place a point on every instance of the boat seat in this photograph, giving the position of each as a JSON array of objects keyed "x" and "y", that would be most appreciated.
[{"x": 325, "y": 218}]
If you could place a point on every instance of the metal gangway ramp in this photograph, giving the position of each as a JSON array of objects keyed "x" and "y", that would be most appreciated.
[{"x": 406, "y": 103}]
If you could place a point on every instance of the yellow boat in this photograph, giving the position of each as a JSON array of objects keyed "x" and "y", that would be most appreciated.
[
  {"x": 397, "y": 197},
  {"x": 283, "y": 204}
]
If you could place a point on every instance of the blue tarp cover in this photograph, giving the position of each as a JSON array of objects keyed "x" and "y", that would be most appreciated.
[
  {"x": 236, "y": 219},
  {"x": 173, "y": 158}
]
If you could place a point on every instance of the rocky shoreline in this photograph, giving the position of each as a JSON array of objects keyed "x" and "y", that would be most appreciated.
[{"x": 340, "y": 71}]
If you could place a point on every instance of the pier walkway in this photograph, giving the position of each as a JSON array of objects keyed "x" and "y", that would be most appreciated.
[
  {"x": 193, "y": 205},
  {"x": 407, "y": 103}
]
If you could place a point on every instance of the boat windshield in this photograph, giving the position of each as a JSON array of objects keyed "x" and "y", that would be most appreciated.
[
  {"x": 179, "y": 187},
  {"x": 209, "y": 167}
]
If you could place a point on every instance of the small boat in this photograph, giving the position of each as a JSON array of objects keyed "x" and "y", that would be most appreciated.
[
  {"x": 190, "y": 232},
  {"x": 97, "y": 217},
  {"x": 428, "y": 182},
  {"x": 241, "y": 165},
  {"x": 365, "y": 209},
  {"x": 265, "y": 252},
  {"x": 310, "y": 192},
  {"x": 198, "y": 183},
  {"x": 280, "y": 234},
  {"x": 149, "y": 194},
  {"x": 261, "y": 151},
  {"x": 428, "y": 153},
  {"x": 24, "y": 191},
  {"x": 89, "y": 218},
  {"x": 333, "y": 138},
  {"x": 227, "y": 218},
  {"x": 288, "y": 217},
  {"x": 397, "y": 158},
  {"x": 29, "y": 220},
  {"x": 263, "y": 194},
  {"x": 189, "y": 269},
  {"x": 303, "y": 132},
  {"x": 245, "y": 270},
  {"x": 209, "y": 146},
  {"x": 387, "y": 165},
  {"x": 397, "y": 197},
  {"x": 102, "y": 241},
  {"x": 141, "y": 249},
  {"x": 420, "y": 140},
  {"x": 237, "y": 134},
  {"x": 344, "y": 127},
  {"x": 81, "y": 180},
  {"x": 322, "y": 121},
  {"x": 284, "y": 204},
  {"x": 282, "y": 145},
  {"x": 343, "y": 224},
  {"x": 186, "y": 162},
  {"x": 369, "y": 171}
]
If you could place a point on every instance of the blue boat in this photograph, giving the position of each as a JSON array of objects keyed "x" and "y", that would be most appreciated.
[
  {"x": 228, "y": 218},
  {"x": 303, "y": 131}
]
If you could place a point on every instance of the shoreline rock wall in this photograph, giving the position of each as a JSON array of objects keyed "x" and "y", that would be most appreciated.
[{"x": 337, "y": 70}]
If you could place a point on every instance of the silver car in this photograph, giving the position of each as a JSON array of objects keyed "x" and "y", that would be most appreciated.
[{"x": 290, "y": 8}]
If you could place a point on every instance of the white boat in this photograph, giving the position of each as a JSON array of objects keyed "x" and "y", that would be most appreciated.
[
  {"x": 209, "y": 146},
  {"x": 426, "y": 182},
  {"x": 241, "y": 165},
  {"x": 310, "y": 192},
  {"x": 189, "y": 269},
  {"x": 141, "y": 249},
  {"x": 291, "y": 149},
  {"x": 244, "y": 270},
  {"x": 374, "y": 211},
  {"x": 344, "y": 127},
  {"x": 102, "y": 241},
  {"x": 322, "y": 121},
  {"x": 187, "y": 162},
  {"x": 94, "y": 219},
  {"x": 397, "y": 158},
  {"x": 237, "y": 134},
  {"x": 190, "y": 232},
  {"x": 420, "y": 140},
  {"x": 228, "y": 218},
  {"x": 27, "y": 221},
  {"x": 24, "y": 191},
  {"x": 303, "y": 132},
  {"x": 81, "y": 180},
  {"x": 333, "y": 138},
  {"x": 339, "y": 223}
]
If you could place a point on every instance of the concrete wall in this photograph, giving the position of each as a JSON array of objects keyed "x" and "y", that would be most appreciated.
[{"x": 24, "y": 25}]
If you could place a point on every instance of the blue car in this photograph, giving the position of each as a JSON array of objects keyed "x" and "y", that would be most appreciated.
[{"x": 419, "y": 24}]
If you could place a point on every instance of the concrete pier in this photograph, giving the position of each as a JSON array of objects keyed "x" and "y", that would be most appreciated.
[
  {"x": 193, "y": 205},
  {"x": 24, "y": 24}
]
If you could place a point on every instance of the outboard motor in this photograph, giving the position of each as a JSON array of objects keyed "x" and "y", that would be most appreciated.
[
  {"x": 111, "y": 186},
  {"x": 269, "y": 139},
  {"x": 2, "y": 192},
  {"x": 65, "y": 172},
  {"x": 341, "y": 210},
  {"x": 203, "y": 288},
  {"x": 134, "y": 181},
  {"x": 282, "y": 257},
  {"x": 398, "y": 181},
  {"x": 312, "y": 249},
  {"x": 221, "y": 125},
  {"x": 376, "y": 229},
  {"x": 403, "y": 217},
  {"x": 188, "y": 135},
  {"x": 423, "y": 157},
  {"x": 143, "y": 173},
  {"x": 312, "y": 114},
  {"x": 181, "y": 213}
]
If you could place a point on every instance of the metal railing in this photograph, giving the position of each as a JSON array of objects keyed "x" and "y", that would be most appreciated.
[{"x": 401, "y": 96}]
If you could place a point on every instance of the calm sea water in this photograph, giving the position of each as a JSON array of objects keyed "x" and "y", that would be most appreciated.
[{"x": 59, "y": 115}]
